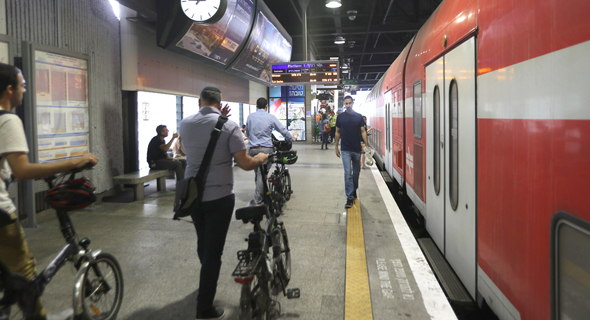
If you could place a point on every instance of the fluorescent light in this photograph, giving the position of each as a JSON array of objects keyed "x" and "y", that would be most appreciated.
[
  {"x": 340, "y": 40},
  {"x": 344, "y": 71},
  {"x": 334, "y": 58},
  {"x": 332, "y": 4}
]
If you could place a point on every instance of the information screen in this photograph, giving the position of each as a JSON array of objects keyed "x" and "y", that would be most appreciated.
[
  {"x": 61, "y": 89},
  {"x": 307, "y": 72},
  {"x": 267, "y": 46},
  {"x": 221, "y": 40}
]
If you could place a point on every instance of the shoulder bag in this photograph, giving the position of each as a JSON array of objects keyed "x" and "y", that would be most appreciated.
[{"x": 189, "y": 191}]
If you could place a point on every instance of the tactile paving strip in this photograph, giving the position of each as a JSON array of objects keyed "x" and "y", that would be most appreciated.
[{"x": 357, "y": 303}]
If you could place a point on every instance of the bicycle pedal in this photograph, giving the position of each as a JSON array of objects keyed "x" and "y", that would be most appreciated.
[{"x": 293, "y": 293}]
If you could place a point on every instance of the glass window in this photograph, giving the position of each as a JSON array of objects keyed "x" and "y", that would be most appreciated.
[
  {"x": 418, "y": 110},
  {"x": 436, "y": 139},
  {"x": 571, "y": 274},
  {"x": 454, "y": 151}
]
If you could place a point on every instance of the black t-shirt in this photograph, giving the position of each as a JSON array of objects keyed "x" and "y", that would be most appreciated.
[
  {"x": 350, "y": 130},
  {"x": 154, "y": 152}
]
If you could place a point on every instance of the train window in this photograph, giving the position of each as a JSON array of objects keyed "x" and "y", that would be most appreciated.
[
  {"x": 436, "y": 139},
  {"x": 570, "y": 267},
  {"x": 454, "y": 147},
  {"x": 418, "y": 110}
]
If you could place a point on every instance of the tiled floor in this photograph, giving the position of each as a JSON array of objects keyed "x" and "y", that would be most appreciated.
[{"x": 160, "y": 265}]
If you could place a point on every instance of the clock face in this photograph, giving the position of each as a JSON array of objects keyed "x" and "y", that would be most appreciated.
[{"x": 200, "y": 10}]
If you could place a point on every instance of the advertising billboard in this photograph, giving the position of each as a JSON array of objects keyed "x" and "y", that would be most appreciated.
[
  {"x": 221, "y": 40},
  {"x": 267, "y": 46}
]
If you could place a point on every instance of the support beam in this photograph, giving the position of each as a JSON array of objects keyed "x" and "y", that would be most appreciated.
[
  {"x": 146, "y": 8},
  {"x": 384, "y": 19},
  {"x": 368, "y": 28},
  {"x": 313, "y": 47},
  {"x": 386, "y": 28}
]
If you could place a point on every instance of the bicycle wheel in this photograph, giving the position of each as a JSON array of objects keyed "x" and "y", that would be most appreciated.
[
  {"x": 287, "y": 185},
  {"x": 285, "y": 257},
  {"x": 100, "y": 303},
  {"x": 260, "y": 298},
  {"x": 246, "y": 302}
]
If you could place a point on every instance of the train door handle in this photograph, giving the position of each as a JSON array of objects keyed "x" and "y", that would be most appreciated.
[{"x": 442, "y": 145}]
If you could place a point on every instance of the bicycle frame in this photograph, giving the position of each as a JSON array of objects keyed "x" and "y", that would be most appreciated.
[{"x": 28, "y": 291}]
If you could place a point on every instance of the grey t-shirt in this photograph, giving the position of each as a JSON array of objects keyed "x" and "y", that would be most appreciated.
[{"x": 196, "y": 132}]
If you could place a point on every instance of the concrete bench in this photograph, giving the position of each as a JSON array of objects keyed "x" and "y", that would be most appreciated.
[{"x": 138, "y": 178}]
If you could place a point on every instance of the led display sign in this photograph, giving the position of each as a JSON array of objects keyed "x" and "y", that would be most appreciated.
[{"x": 306, "y": 72}]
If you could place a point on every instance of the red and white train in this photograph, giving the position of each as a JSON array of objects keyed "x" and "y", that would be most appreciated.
[{"x": 484, "y": 120}]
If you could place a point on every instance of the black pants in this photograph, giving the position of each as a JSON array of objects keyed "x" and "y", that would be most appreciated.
[
  {"x": 333, "y": 134},
  {"x": 165, "y": 164},
  {"x": 211, "y": 220}
]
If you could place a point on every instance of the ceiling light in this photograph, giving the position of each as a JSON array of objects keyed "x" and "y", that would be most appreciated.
[
  {"x": 332, "y": 4},
  {"x": 344, "y": 71},
  {"x": 334, "y": 58},
  {"x": 340, "y": 40}
]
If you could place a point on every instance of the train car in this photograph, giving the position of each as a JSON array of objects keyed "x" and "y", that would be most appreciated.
[{"x": 484, "y": 121}]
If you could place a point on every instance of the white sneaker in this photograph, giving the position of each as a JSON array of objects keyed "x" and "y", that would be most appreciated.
[{"x": 67, "y": 314}]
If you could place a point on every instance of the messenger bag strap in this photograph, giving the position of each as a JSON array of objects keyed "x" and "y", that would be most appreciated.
[{"x": 209, "y": 152}]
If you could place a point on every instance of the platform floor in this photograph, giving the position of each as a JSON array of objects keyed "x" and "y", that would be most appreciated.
[{"x": 161, "y": 268}]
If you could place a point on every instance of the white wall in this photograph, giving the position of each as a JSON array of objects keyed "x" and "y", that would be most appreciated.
[
  {"x": 162, "y": 110},
  {"x": 2, "y": 16},
  {"x": 257, "y": 91},
  {"x": 190, "y": 106},
  {"x": 146, "y": 67}
]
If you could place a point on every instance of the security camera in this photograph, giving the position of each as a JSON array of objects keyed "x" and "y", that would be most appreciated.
[{"x": 351, "y": 14}]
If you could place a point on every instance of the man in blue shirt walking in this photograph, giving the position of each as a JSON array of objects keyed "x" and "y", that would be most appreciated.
[
  {"x": 259, "y": 128},
  {"x": 351, "y": 127}
]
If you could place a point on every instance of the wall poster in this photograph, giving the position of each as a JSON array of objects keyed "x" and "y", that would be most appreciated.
[
  {"x": 288, "y": 105},
  {"x": 61, "y": 92}
]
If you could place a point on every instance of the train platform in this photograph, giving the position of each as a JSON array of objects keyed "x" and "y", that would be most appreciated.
[{"x": 355, "y": 264}]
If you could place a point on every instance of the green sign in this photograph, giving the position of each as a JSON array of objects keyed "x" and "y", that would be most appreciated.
[{"x": 350, "y": 82}]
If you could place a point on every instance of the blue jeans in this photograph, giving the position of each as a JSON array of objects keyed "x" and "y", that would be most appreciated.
[
  {"x": 352, "y": 162},
  {"x": 325, "y": 136}
]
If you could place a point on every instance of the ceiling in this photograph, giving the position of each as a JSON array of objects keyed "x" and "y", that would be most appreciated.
[{"x": 374, "y": 39}]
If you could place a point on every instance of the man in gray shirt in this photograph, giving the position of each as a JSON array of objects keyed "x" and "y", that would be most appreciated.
[
  {"x": 259, "y": 128},
  {"x": 214, "y": 214}
]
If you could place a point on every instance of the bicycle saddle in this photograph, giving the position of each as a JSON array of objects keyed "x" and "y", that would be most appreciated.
[{"x": 253, "y": 212}]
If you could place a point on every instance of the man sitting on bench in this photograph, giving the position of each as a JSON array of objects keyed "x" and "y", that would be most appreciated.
[{"x": 157, "y": 155}]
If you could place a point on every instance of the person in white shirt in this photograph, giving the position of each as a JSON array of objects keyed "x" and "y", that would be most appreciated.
[{"x": 14, "y": 163}]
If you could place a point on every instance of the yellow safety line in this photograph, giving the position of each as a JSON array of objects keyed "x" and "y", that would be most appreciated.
[{"x": 357, "y": 301}]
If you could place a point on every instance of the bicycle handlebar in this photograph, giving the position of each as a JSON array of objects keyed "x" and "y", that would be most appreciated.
[{"x": 72, "y": 173}]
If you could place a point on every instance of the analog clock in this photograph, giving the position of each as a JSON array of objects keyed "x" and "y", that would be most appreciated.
[{"x": 204, "y": 11}]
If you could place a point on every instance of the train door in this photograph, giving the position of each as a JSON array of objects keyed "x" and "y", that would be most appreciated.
[
  {"x": 388, "y": 132},
  {"x": 435, "y": 152},
  {"x": 460, "y": 165},
  {"x": 451, "y": 159}
]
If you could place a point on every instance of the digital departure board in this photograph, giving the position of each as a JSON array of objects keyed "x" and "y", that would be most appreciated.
[{"x": 306, "y": 72}]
